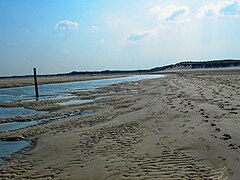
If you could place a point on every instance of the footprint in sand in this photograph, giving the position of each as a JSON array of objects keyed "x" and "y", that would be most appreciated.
[
  {"x": 232, "y": 146},
  {"x": 212, "y": 124},
  {"x": 226, "y": 137}
]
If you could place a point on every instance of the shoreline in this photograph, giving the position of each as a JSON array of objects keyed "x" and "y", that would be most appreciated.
[
  {"x": 178, "y": 126},
  {"x": 10, "y": 82}
]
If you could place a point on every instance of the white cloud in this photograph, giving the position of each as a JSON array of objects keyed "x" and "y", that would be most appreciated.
[
  {"x": 171, "y": 16},
  {"x": 137, "y": 36},
  {"x": 168, "y": 15},
  {"x": 171, "y": 13},
  {"x": 222, "y": 9},
  {"x": 140, "y": 35},
  {"x": 67, "y": 24},
  {"x": 93, "y": 28}
]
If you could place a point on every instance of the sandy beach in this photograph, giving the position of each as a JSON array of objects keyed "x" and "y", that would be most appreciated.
[{"x": 181, "y": 126}]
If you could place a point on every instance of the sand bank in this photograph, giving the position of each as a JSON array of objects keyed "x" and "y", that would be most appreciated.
[{"x": 176, "y": 127}]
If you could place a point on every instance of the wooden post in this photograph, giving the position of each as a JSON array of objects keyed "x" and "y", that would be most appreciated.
[{"x": 35, "y": 82}]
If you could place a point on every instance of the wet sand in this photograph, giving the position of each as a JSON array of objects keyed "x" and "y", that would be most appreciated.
[{"x": 182, "y": 126}]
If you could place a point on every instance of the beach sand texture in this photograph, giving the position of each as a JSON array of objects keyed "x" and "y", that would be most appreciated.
[{"x": 176, "y": 127}]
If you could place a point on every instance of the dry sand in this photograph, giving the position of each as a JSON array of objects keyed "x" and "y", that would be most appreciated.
[{"x": 176, "y": 127}]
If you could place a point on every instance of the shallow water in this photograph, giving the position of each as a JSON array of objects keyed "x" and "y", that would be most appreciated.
[
  {"x": 49, "y": 97},
  {"x": 7, "y": 112},
  {"x": 16, "y": 125},
  {"x": 9, "y": 147},
  {"x": 73, "y": 102},
  {"x": 60, "y": 90}
]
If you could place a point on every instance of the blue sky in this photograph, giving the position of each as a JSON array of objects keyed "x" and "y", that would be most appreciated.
[{"x": 66, "y": 35}]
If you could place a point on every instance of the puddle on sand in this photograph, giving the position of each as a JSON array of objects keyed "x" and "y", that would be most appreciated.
[
  {"x": 27, "y": 92},
  {"x": 16, "y": 125},
  {"x": 73, "y": 102},
  {"x": 8, "y": 112},
  {"x": 7, "y": 148},
  {"x": 50, "y": 97},
  {"x": 79, "y": 101}
]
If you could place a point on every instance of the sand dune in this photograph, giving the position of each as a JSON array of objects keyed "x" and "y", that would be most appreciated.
[{"x": 176, "y": 127}]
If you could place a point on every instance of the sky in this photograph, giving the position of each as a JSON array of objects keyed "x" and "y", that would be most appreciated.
[{"x": 58, "y": 36}]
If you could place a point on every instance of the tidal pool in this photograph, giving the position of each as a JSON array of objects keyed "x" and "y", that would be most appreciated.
[
  {"x": 60, "y": 90},
  {"x": 7, "y": 112},
  {"x": 16, "y": 125},
  {"x": 7, "y": 148},
  {"x": 73, "y": 102}
]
